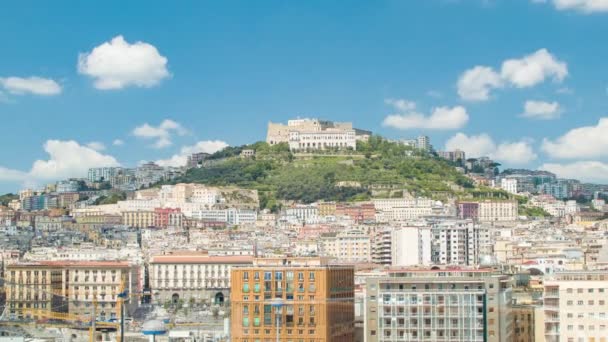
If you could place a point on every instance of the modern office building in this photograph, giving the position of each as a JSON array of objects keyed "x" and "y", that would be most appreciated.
[
  {"x": 463, "y": 305},
  {"x": 576, "y": 306},
  {"x": 292, "y": 299}
]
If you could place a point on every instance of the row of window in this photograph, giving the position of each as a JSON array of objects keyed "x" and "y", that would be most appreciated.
[{"x": 289, "y": 275}]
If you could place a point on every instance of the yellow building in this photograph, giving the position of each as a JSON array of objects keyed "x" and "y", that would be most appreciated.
[
  {"x": 327, "y": 208},
  {"x": 292, "y": 299},
  {"x": 138, "y": 218},
  {"x": 74, "y": 287}
]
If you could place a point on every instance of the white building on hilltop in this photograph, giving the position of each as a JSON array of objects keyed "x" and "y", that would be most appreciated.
[{"x": 315, "y": 134}]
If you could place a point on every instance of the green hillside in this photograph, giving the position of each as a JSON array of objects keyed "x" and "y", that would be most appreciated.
[{"x": 377, "y": 168}]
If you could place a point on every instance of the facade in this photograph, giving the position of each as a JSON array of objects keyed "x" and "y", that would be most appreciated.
[
  {"x": 229, "y": 216},
  {"x": 292, "y": 299},
  {"x": 411, "y": 246},
  {"x": 456, "y": 156},
  {"x": 167, "y": 217},
  {"x": 315, "y": 134},
  {"x": 304, "y": 213},
  {"x": 99, "y": 174},
  {"x": 460, "y": 243},
  {"x": 438, "y": 305},
  {"x": 423, "y": 142},
  {"x": 382, "y": 247},
  {"x": 138, "y": 218},
  {"x": 576, "y": 306},
  {"x": 488, "y": 210},
  {"x": 69, "y": 286},
  {"x": 196, "y": 159},
  {"x": 67, "y": 186},
  {"x": 363, "y": 212},
  {"x": 351, "y": 246},
  {"x": 509, "y": 185},
  {"x": 193, "y": 277}
]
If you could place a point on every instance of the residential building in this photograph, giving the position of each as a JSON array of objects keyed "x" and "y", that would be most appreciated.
[
  {"x": 460, "y": 243},
  {"x": 424, "y": 143},
  {"x": 363, "y": 212},
  {"x": 464, "y": 305},
  {"x": 196, "y": 159},
  {"x": 138, "y": 218},
  {"x": 411, "y": 246},
  {"x": 291, "y": 299},
  {"x": 69, "y": 286},
  {"x": 102, "y": 174},
  {"x": 70, "y": 185},
  {"x": 230, "y": 216},
  {"x": 167, "y": 217},
  {"x": 456, "y": 156},
  {"x": 193, "y": 277},
  {"x": 303, "y": 212},
  {"x": 509, "y": 185},
  {"x": 576, "y": 306},
  {"x": 488, "y": 210},
  {"x": 350, "y": 246}
]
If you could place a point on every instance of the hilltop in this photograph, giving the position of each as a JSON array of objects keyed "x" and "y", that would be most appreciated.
[{"x": 378, "y": 168}]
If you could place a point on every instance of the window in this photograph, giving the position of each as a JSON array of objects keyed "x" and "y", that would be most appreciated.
[
  {"x": 311, "y": 276},
  {"x": 245, "y": 275}
]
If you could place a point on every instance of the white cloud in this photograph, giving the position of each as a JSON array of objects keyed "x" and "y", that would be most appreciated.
[
  {"x": 11, "y": 175},
  {"x": 512, "y": 153},
  {"x": 585, "y": 6},
  {"x": 533, "y": 69},
  {"x": 30, "y": 85},
  {"x": 581, "y": 142},
  {"x": 473, "y": 146},
  {"x": 475, "y": 84},
  {"x": 586, "y": 171},
  {"x": 67, "y": 158},
  {"x": 180, "y": 159},
  {"x": 401, "y": 104},
  {"x": 162, "y": 133},
  {"x": 96, "y": 145},
  {"x": 118, "y": 142},
  {"x": 440, "y": 118},
  {"x": 117, "y": 64},
  {"x": 541, "y": 110}
]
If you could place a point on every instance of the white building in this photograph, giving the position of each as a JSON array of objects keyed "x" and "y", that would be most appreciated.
[
  {"x": 192, "y": 278},
  {"x": 304, "y": 213},
  {"x": 576, "y": 306},
  {"x": 460, "y": 243},
  {"x": 411, "y": 246},
  {"x": 509, "y": 185},
  {"x": 230, "y": 216},
  {"x": 315, "y": 134}
]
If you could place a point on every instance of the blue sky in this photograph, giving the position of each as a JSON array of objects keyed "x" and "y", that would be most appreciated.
[{"x": 73, "y": 73}]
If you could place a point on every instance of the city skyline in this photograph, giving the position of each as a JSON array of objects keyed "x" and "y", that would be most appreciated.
[{"x": 121, "y": 91}]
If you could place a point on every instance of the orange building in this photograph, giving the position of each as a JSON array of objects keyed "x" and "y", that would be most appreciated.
[
  {"x": 292, "y": 299},
  {"x": 358, "y": 212}
]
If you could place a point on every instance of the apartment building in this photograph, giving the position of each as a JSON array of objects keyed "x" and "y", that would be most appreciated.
[
  {"x": 460, "y": 243},
  {"x": 193, "y": 277},
  {"x": 464, "y": 305},
  {"x": 363, "y": 212},
  {"x": 348, "y": 246},
  {"x": 411, "y": 246},
  {"x": 382, "y": 247},
  {"x": 488, "y": 210},
  {"x": 138, "y": 218},
  {"x": 168, "y": 217},
  {"x": 231, "y": 216},
  {"x": 292, "y": 299},
  {"x": 576, "y": 306},
  {"x": 78, "y": 287}
]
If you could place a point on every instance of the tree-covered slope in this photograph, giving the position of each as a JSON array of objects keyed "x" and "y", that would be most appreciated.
[{"x": 330, "y": 175}]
